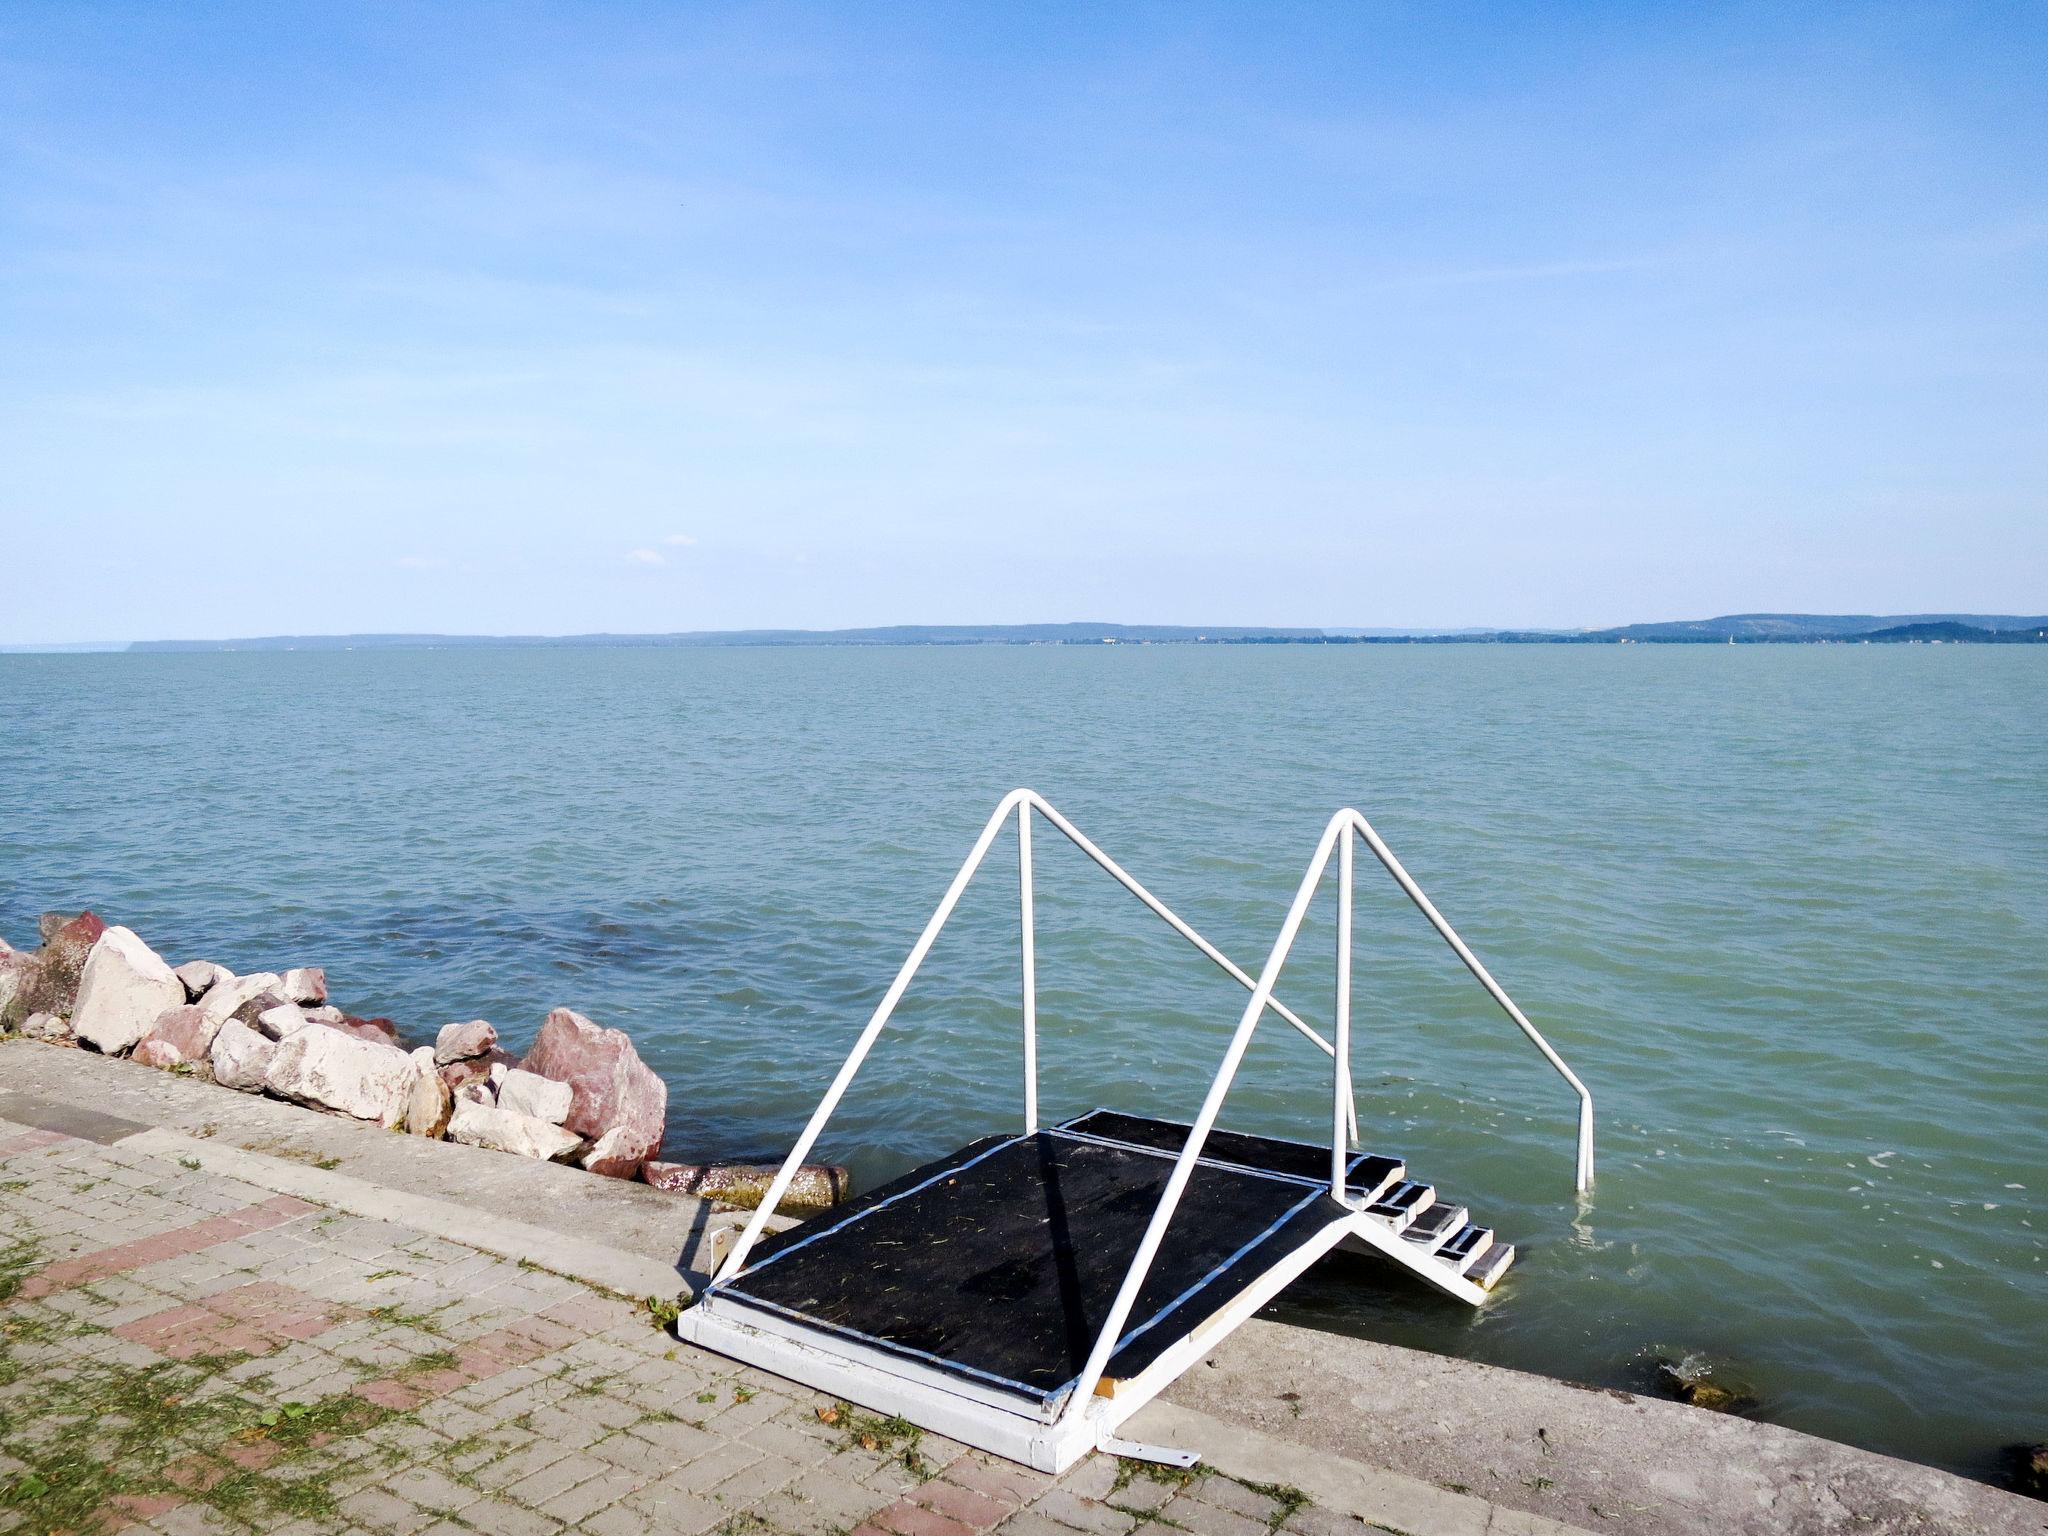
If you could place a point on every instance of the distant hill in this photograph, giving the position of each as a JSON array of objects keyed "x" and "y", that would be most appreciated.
[
  {"x": 1741, "y": 628},
  {"x": 1813, "y": 626}
]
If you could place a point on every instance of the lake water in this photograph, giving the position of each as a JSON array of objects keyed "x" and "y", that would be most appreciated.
[{"x": 1784, "y": 909}]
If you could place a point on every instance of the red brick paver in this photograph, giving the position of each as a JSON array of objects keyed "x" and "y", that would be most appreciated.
[
  {"x": 251, "y": 1319},
  {"x": 907, "y": 1517},
  {"x": 975, "y": 1510},
  {"x": 30, "y": 1141},
  {"x": 174, "y": 1244}
]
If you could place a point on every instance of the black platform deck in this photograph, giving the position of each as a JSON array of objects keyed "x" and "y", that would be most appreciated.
[{"x": 999, "y": 1264}]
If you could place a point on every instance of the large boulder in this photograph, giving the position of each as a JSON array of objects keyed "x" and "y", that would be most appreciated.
[
  {"x": 428, "y": 1103},
  {"x": 306, "y": 984},
  {"x": 502, "y": 1130},
  {"x": 230, "y": 994},
  {"x": 123, "y": 988},
  {"x": 616, "y": 1098},
  {"x": 815, "y": 1187},
  {"x": 464, "y": 1042},
  {"x": 241, "y": 1057},
  {"x": 49, "y": 982},
  {"x": 185, "y": 1029},
  {"x": 528, "y": 1093},
  {"x": 330, "y": 1070}
]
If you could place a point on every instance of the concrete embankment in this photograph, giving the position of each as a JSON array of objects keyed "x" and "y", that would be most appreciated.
[{"x": 1392, "y": 1437}]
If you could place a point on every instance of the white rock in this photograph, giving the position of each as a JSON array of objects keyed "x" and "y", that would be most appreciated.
[
  {"x": 331, "y": 1070},
  {"x": 285, "y": 1019},
  {"x": 528, "y": 1093},
  {"x": 428, "y": 1103},
  {"x": 124, "y": 986},
  {"x": 225, "y": 996},
  {"x": 476, "y": 1091},
  {"x": 240, "y": 1057},
  {"x": 482, "y": 1125},
  {"x": 304, "y": 984},
  {"x": 199, "y": 975},
  {"x": 16, "y": 972},
  {"x": 325, "y": 1015},
  {"x": 45, "y": 1026}
]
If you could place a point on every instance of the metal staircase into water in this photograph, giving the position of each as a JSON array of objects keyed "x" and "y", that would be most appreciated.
[{"x": 1029, "y": 1292}]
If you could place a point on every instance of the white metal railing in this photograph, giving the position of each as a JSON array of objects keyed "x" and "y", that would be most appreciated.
[{"x": 1344, "y": 827}]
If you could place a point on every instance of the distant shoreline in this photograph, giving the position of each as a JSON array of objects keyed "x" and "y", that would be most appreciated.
[{"x": 1731, "y": 629}]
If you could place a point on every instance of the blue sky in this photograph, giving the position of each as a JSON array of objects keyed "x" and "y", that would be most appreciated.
[{"x": 635, "y": 317}]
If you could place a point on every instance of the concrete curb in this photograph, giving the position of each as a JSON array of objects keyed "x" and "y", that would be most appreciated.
[
  {"x": 1335, "y": 1483},
  {"x": 626, "y": 1274}
]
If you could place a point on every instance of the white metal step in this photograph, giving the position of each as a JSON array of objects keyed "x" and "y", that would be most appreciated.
[
  {"x": 1435, "y": 1227},
  {"x": 1402, "y": 1204},
  {"x": 1491, "y": 1265},
  {"x": 1467, "y": 1248}
]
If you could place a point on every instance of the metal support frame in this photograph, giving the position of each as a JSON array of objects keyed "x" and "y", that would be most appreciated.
[{"x": 1085, "y": 1415}]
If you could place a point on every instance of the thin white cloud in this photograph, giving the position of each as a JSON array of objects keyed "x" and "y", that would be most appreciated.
[
  {"x": 679, "y": 541},
  {"x": 646, "y": 557}
]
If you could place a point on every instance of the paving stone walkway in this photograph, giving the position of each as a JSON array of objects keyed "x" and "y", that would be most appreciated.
[{"x": 180, "y": 1352}]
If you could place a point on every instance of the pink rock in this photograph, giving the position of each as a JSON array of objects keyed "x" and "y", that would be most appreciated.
[
  {"x": 158, "y": 1053},
  {"x": 186, "y": 1029},
  {"x": 379, "y": 1031},
  {"x": 617, "y": 1100},
  {"x": 477, "y": 1068},
  {"x": 462, "y": 1042},
  {"x": 615, "y": 1154},
  {"x": 79, "y": 932}
]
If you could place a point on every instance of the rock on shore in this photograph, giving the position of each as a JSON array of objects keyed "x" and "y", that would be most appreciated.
[
  {"x": 327, "y": 1068},
  {"x": 616, "y": 1099},
  {"x": 502, "y": 1130},
  {"x": 815, "y": 1187},
  {"x": 429, "y": 1104},
  {"x": 241, "y": 1057},
  {"x": 47, "y": 981},
  {"x": 582, "y": 1095},
  {"x": 186, "y": 1029},
  {"x": 124, "y": 986}
]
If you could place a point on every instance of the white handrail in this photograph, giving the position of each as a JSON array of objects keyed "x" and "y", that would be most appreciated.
[
  {"x": 1344, "y": 824},
  {"x": 1485, "y": 978},
  {"x": 1023, "y": 801}
]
